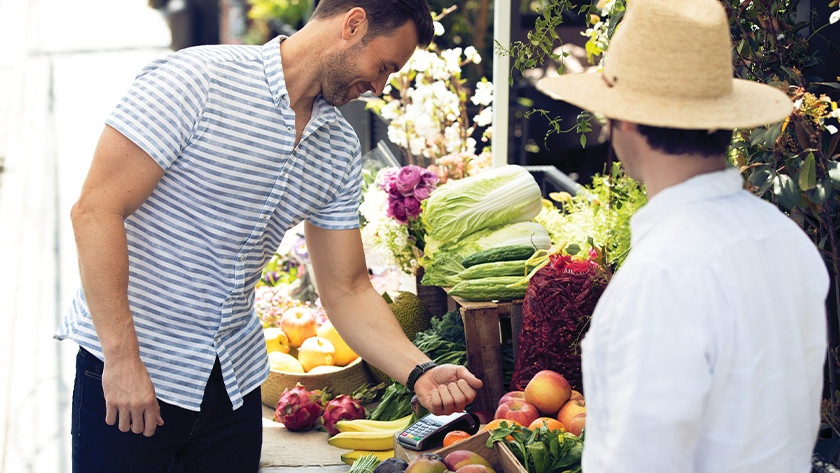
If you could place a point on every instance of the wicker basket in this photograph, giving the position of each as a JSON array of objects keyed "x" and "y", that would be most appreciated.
[{"x": 343, "y": 381}]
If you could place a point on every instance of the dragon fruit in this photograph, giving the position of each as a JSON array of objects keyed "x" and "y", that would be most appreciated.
[
  {"x": 341, "y": 408},
  {"x": 298, "y": 409}
]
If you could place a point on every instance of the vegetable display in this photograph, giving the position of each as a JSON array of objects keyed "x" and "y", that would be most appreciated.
[
  {"x": 497, "y": 197},
  {"x": 446, "y": 258},
  {"x": 495, "y": 268}
]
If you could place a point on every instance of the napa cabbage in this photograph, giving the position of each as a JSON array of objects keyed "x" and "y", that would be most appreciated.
[{"x": 501, "y": 196}]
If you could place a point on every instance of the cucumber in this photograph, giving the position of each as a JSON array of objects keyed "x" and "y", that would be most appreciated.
[
  {"x": 490, "y": 289},
  {"x": 496, "y": 268},
  {"x": 500, "y": 253}
]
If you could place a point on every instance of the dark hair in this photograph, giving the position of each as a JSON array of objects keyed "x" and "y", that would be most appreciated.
[
  {"x": 677, "y": 141},
  {"x": 385, "y": 16}
]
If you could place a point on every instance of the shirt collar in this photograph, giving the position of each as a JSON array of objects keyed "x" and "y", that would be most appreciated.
[
  {"x": 699, "y": 188},
  {"x": 277, "y": 81}
]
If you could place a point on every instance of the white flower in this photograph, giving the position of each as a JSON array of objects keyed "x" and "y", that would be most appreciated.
[
  {"x": 472, "y": 55},
  {"x": 471, "y": 145},
  {"x": 390, "y": 111},
  {"x": 416, "y": 145},
  {"x": 452, "y": 60},
  {"x": 797, "y": 104},
  {"x": 831, "y": 129},
  {"x": 835, "y": 113},
  {"x": 420, "y": 61},
  {"x": 439, "y": 30},
  {"x": 834, "y": 18},
  {"x": 485, "y": 117},
  {"x": 452, "y": 134},
  {"x": 483, "y": 93}
]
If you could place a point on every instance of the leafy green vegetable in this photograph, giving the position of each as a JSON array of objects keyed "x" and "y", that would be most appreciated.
[
  {"x": 598, "y": 216},
  {"x": 443, "y": 259},
  {"x": 395, "y": 403},
  {"x": 541, "y": 450},
  {"x": 503, "y": 195}
]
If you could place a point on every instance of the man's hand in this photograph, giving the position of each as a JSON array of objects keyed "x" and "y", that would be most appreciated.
[
  {"x": 446, "y": 389},
  {"x": 130, "y": 397}
]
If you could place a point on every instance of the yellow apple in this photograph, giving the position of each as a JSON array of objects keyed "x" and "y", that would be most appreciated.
[
  {"x": 298, "y": 323},
  {"x": 316, "y": 351},
  {"x": 343, "y": 354},
  {"x": 276, "y": 340},
  {"x": 548, "y": 391}
]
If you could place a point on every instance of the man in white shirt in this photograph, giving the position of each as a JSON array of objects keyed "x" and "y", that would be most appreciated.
[{"x": 706, "y": 351}]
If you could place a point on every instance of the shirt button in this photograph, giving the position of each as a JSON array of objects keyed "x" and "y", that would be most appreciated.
[
  {"x": 242, "y": 259},
  {"x": 289, "y": 128},
  {"x": 263, "y": 217}
]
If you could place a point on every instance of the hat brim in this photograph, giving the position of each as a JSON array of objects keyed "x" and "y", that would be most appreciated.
[{"x": 750, "y": 104}]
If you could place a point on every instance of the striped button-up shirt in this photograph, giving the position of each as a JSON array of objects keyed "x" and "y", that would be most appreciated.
[{"x": 217, "y": 119}]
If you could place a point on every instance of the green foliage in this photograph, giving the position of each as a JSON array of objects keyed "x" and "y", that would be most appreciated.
[
  {"x": 541, "y": 450},
  {"x": 597, "y": 217},
  {"x": 540, "y": 43}
]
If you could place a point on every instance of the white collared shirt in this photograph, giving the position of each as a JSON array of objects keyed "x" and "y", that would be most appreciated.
[{"x": 705, "y": 352}]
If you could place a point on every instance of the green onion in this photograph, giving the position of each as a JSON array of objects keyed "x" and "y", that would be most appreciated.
[{"x": 364, "y": 464}]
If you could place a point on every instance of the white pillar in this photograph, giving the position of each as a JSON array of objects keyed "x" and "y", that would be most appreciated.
[{"x": 501, "y": 72}]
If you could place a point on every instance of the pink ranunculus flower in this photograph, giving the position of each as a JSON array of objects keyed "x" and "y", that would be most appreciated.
[
  {"x": 429, "y": 178},
  {"x": 422, "y": 192},
  {"x": 412, "y": 206},
  {"x": 408, "y": 178},
  {"x": 387, "y": 180},
  {"x": 396, "y": 209}
]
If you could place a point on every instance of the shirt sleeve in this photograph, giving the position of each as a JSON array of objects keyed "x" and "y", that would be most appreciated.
[
  {"x": 342, "y": 212},
  {"x": 162, "y": 107},
  {"x": 657, "y": 374}
]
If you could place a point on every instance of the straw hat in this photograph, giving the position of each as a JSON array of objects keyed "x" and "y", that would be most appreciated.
[{"x": 669, "y": 65}]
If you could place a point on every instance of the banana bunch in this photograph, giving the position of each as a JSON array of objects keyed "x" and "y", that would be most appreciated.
[{"x": 365, "y": 436}]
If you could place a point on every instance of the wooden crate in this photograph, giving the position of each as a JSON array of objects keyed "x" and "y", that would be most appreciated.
[
  {"x": 500, "y": 457},
  {"x": 484, "y": 344}
]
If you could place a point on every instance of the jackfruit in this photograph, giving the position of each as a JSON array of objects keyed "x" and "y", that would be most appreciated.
[
  {"x": 411, "y": 314},
  {"x": 413, "y": 317}
]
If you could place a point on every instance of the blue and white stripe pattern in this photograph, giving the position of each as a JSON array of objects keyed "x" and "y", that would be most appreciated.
[{"x": 217, "y": 120}]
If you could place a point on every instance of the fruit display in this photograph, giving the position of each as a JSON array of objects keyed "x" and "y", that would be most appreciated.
[{"x": 546, "y": 400}]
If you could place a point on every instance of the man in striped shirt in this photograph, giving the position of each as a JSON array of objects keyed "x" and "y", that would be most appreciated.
[{"x": 208, "y": 159}]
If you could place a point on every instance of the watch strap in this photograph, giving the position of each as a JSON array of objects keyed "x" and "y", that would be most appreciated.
[{"x": 417, "y": 372}]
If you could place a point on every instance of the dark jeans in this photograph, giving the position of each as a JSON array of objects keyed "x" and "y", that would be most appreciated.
[{"x": 216, "y": 439}]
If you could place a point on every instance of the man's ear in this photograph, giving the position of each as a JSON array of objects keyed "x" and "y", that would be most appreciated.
[{"x": 354, "y": 26}]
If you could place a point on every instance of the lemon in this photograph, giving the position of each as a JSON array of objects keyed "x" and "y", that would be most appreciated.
[{"x": 280, "y": 361}]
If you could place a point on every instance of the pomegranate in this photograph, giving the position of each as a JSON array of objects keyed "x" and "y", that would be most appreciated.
[
  {"x": 298, "y": 409},
  {"x": 341, "y": 408}
]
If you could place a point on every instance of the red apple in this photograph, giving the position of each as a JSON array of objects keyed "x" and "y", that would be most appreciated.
[
  {"x": 573, "y": 416},
  {"x": 576, "y": 395},
  {"x": 512, "y": 396},
  {"x": 519, "y": 411},
  {"x": 548, "y": 391},
  {"x": 298, "y": 323}
]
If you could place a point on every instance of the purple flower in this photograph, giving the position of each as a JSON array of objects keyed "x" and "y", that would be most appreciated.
[
  {"x": 396, "y": 209},
  {"x": 422, "y": 192},
  {"x": 429, "y": 178},
  {"x": 408, "y": 178},
  {"x": 412, "y": 206}
]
